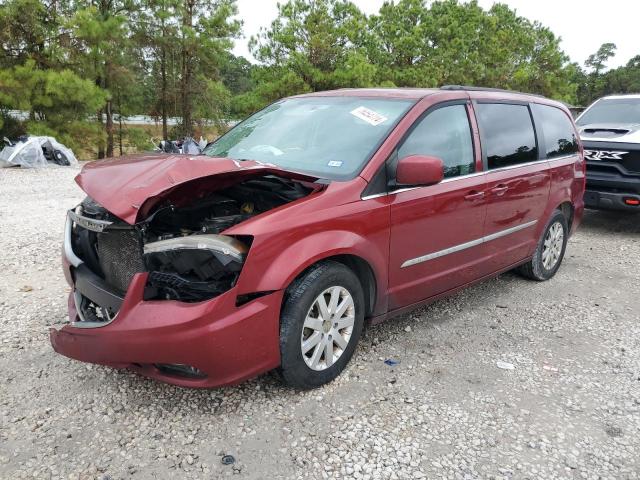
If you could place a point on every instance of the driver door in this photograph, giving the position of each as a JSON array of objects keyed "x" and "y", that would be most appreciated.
[{"x": 436, "y": 231}]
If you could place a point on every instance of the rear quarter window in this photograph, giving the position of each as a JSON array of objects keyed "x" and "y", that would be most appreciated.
[
  {"x": 507, "y": 134},
  {"x": 559, "y": 135}
]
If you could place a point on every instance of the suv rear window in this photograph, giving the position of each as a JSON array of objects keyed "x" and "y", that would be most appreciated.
[
  {"x": 559, "y": 134},
  {"x": 507, "y": 134}
]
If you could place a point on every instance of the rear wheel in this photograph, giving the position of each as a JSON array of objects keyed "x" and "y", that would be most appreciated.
[
  {"x": 550, "y": 250},
  {"x": 321, "y": 322}
]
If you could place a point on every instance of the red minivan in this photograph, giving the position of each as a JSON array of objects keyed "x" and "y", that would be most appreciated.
[{"x": 313, "y": 216}]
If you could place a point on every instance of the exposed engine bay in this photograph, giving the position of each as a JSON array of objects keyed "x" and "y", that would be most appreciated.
[{"x": 183, "y": 248}]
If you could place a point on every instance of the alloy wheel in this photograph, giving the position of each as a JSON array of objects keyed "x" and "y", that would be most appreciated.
[
  {"x": 327, "y": 328},
  {"x": 552, "y": 248}
]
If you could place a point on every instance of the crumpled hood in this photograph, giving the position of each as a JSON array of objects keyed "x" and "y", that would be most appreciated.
[
  {"x": 123, "y": 185},
  {"x": 611, "y": 132}
]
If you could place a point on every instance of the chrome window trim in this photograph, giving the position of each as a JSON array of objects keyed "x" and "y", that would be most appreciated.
[
  {"x": 474, "y": 174},
  {"x": 408, "y": 189},
  {"x": 384, "y": 194},
  {"x": 462, "y": 177},
  {"x": 466, "y": 245},
  {"x": 517, "y": 165},
  {"x": 534, "y": 162},
  {"x": 563, "y": 157}
]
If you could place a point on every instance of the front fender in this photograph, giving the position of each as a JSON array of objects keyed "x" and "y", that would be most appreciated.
[{"x": 265, "y": 272}]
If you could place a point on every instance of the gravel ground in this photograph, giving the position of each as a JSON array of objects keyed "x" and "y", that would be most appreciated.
[{"x": 570, "y": 407}]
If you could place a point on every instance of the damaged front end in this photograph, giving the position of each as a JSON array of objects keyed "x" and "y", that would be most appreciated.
[
  {"x": 180, "y": 246},
  {"x": 193, "y": 268}
]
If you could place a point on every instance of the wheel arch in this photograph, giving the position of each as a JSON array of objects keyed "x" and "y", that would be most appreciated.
[
  {"x": 363, "y": 271},
  {"x": 567, "y": 210},
  {"x": 367, "y": 259}
]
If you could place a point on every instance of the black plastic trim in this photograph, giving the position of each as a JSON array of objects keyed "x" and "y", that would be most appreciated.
[
  {"x": 96, "y": 289},
  {"x": 609, "y": 201},
  {"x": 600, "y": 181},
  {"x": 378, "y": 183}
]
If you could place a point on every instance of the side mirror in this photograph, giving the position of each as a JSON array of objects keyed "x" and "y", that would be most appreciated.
[{"x": 419, "y": 170}]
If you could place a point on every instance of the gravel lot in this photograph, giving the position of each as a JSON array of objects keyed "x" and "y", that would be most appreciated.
[{"x": 569, "y": 409}]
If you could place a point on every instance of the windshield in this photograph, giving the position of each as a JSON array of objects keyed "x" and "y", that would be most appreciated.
[
  {"x": 327, "y": 137},
  {"x": 613, "y": 110}
]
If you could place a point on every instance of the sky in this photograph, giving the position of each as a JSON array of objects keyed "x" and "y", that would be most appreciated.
[{"x": 583, "y": 25}]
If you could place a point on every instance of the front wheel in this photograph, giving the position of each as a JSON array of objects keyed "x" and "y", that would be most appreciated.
[
  {"x": 321, "y": 322},
  {"x": 550, "y": 250}
]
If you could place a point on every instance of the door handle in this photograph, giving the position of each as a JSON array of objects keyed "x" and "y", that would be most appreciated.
[
  {"x": 500, "y": 189},
  {"x": 473, "y": 195}
]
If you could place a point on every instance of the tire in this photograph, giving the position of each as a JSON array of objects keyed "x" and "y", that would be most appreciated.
[
  {"x": 541, "y": 267},
  {"x": 303, "y": 318}
]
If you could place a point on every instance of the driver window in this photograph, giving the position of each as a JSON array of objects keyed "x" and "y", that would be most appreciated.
[{"x": 443, "y": 133}]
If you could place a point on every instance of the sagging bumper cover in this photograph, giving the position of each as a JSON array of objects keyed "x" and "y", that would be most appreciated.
[{"x": 229, "y": 343}]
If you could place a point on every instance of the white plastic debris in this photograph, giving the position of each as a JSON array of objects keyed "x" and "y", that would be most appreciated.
[
  {"x": 24, "y": 154},
  {"x": 505, "y": 365},
  {"x": 190, "y": 147},
  {"x": 30, "y": 153}
]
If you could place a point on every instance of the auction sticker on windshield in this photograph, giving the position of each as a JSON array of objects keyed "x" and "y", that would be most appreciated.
[{"x": 369, "y": 116}]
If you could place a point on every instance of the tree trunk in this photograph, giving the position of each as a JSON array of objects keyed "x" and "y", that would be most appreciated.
[
  {"x": 108, "y": 111},
  {"x": 99, "y": 116},
  {"x": 109, "y": 128},
  {"x": 163, "y": 93},
  {"x": 187, "y": 70},
  {"x": 100, "y": 145},
  {"x": 186, "y": 97},
  {"x": 120, "y": 136},
  {"x": 120, "y": 123}
]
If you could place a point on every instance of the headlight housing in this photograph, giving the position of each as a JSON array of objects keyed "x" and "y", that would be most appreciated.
[{"x": 193, "y": 268}]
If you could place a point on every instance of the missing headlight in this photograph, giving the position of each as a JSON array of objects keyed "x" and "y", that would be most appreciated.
[{"x": 193, "y": 268}]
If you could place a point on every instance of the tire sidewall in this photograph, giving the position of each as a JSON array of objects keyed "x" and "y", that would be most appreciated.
[
  {"x": 538, "y": 267},
  {"x": 299, "y": 300}
]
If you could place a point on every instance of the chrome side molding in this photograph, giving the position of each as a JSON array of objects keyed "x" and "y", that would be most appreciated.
[{"x": 466, "y": 245}]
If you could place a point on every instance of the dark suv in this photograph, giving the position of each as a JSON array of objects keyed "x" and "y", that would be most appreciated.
[{"x": 610, "y": 132}]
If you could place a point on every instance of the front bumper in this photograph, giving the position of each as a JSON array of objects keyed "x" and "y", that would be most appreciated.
[
  {"x": 611, "y": 201},
  {"x": 228, "y": 343},
  {"x": 612, "y": 191},
  {"x": 613, "y": 181}
]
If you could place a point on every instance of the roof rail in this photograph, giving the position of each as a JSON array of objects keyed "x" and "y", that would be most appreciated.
[{"x": 485, "y": 89}]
